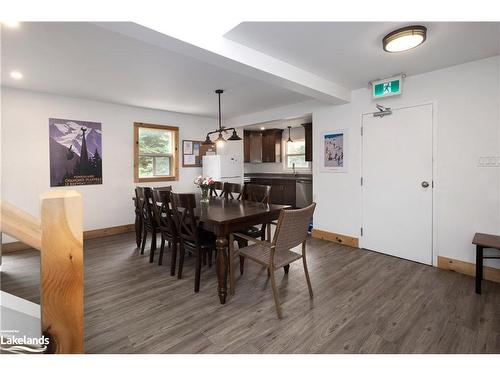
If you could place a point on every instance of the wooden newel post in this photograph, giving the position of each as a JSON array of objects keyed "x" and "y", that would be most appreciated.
[{"x": 61, "y": 271}]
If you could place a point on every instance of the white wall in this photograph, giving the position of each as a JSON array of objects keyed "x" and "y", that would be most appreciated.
[
  {"x": 467, "y": 126},
  {"x": 25, "y": 152}
]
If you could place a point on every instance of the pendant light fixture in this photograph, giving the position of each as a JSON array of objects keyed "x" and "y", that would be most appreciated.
[
  {"x": 220, "y": 139},
  {"x": 289, "y": 139},
  {"x": 405, "y": 38}
]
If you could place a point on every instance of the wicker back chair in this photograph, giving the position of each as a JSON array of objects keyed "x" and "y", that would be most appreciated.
[{"x": 290, "y": 232}]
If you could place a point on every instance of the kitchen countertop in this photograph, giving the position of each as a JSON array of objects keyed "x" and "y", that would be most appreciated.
[{"x": 282, "y": 176}]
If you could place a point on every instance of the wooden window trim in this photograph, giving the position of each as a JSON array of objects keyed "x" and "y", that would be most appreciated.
[{"x": 175, "y": 155}]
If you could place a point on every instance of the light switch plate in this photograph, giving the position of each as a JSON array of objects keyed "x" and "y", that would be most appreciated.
[{"x": 489, "y": 161}]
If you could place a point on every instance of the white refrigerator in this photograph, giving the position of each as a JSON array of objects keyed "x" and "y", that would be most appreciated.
[{"x": 225, "y": 168}]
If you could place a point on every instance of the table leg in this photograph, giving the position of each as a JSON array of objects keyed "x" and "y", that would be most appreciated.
[
  {"x": 479, "y": 268},
  {"x": 222, "y": 268}
]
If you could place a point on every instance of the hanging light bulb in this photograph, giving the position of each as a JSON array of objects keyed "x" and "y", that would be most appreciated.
[
  {"x": 289, "y": 139},
  {"x": 220, "y": 140}
]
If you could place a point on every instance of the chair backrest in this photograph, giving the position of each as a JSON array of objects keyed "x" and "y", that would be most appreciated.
[
  {"x": 163, "y": 211},
  {"x": 183, "y": 206},
  {"x": 257, "y": 193},
  {"x": 232, "y": 190},
  {"x": 217, "y": 186},
  {"x": 144, "y": 199},
  {"x": 292, "y": 227}
]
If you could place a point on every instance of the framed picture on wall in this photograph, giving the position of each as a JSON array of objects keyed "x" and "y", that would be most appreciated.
[{"x": 333, "y": 147}]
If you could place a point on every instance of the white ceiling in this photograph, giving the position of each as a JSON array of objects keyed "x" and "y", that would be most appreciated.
[
  {"x": 88, "y": 61},
  {"x": 351, "y": 54},
  {"x": 280, "y": 124}
]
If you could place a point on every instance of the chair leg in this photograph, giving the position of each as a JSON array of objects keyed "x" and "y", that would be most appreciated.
[
  {"x": 198, "y": 271},
  {"x": 181, "y": 260},
  {"x": 306, "y": 271},
  {"x": 173, "y": 258},
  {"x": 204, "y": 258},
  {"x": 153, "y": 247},
  {"x": 144, "y": 237},
  {"x": 275, "y": 293},
  {"x": 162, "y": 249},
  {"x": 286, "y": 268},
  {"x": 209, "y": 257},
  {"x": 242, "y": 264},
  {"x": 268, "y": 229},
  {"x": 232, "y": 281}
]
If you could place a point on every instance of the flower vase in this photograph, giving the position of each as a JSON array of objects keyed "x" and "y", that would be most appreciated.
[{"x": 204, "y": 194}]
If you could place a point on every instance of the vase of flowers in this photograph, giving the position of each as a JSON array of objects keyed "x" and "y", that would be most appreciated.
[{"x": 204, "y": 183}]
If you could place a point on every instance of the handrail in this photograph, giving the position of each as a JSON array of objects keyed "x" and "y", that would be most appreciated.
[
  {"x": 21, "y": 225},
  {"x": 59, "y": 237}
]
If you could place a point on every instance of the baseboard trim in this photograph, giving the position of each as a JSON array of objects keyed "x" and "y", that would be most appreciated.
[
  {"x": 87, "y": 235},
  {"x": 466, "y": 268},
  {"x": 335, "y": 237}
]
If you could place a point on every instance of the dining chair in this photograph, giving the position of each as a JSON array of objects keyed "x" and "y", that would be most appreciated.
[
  {"x": 254, "y": 193},
  {"x": 166, "y": 225},
  {"x": 232, "y": 190},
  {"x": 291, "y": 231},
  {"x": 192, "y": 237},
  {"x": 144, "y": 198},
  {"x": 216, "y": 190}
]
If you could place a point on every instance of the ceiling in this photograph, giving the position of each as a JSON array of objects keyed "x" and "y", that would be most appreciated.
[
  {"x": 281, "y": 124},
  {"x": 153, "y": 70},
  {"x": 351, "y": 54},
  {"x": 88, "y": 61}
]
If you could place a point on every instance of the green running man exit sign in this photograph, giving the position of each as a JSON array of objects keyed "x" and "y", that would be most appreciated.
[{"x": 387, "y": 87}]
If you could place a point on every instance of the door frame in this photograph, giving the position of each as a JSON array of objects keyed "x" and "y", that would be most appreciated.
[{"x": 434, "y": 176}]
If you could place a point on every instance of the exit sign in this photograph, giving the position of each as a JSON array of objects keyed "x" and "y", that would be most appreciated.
[{"x": 387, "y": 87}]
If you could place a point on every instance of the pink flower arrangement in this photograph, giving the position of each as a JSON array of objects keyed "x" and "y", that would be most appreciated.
[{"x": 203, "y": 182}]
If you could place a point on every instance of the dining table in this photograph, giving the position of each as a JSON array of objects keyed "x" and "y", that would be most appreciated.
[{"x": 222, "y": 217}]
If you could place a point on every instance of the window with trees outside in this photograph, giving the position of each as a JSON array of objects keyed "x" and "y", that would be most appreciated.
[
  {"x": 156, "y": 153},
  {"x": 295, "y": 152}
]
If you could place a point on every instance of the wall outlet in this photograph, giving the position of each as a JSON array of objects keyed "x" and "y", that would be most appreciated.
[{"x": 489, "y": 161}]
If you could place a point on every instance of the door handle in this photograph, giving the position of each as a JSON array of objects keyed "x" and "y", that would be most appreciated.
[{"x": 425, "y": 184}]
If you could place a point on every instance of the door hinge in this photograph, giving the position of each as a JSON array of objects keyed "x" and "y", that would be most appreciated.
[
  {"x": 361, "y": 231},
  {"x": 361, "y": 130},
  {"x": 361, "y": 181}
]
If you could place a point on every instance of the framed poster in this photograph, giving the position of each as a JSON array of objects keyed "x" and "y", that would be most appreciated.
[
  {"x": 75, "y": 149},
  {"x": 333, "y": 145}
]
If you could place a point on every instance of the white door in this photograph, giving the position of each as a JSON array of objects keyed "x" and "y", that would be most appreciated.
[{"x": 397, "y": 183}]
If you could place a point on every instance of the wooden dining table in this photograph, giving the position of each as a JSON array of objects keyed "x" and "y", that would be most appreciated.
[{"x": 223, "y": 217}]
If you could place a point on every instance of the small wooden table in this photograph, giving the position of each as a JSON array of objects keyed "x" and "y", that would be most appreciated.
[{"x": 484, "y": 241}]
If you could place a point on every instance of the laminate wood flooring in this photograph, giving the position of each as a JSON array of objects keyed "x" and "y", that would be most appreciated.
[{"x": 364, "y": 302}]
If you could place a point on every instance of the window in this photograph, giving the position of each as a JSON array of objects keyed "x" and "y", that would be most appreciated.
[
  {"x": 155, "y": 153},
  {"x": 296, "y": 153}
]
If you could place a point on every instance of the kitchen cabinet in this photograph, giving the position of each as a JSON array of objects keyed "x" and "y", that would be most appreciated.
[
  {"x": 271, "y": 146},
  {"x": 308, "y": 140},
  {"x": 262, "y": 147},
  {"x": 282, "y": 190}
]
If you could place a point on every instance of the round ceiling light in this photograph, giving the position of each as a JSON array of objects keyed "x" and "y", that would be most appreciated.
[{"x": 405, "y": 38}]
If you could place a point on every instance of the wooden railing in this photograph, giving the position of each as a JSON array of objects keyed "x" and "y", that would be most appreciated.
[{"x": 58, "y": 236}]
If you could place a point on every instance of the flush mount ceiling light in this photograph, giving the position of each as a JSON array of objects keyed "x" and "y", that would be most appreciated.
[
  {"x": 16, "y": 74},
  {"x": 405, "y": 38},
  {"x": 220, "y": 140}
]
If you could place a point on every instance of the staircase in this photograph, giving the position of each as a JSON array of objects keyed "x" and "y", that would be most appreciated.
[{"x": 56, "y": 326}]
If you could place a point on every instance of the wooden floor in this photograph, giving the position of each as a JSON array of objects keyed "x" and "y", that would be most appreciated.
[{"x": 364, "y": 302}]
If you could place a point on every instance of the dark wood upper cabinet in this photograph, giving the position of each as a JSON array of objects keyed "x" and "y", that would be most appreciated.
[
  {"x": 308, "y": 140},
  {"x": 246, "y": 146},
  {"x": 262, "y": 147},
  {"x": 271, "y": 146}
]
